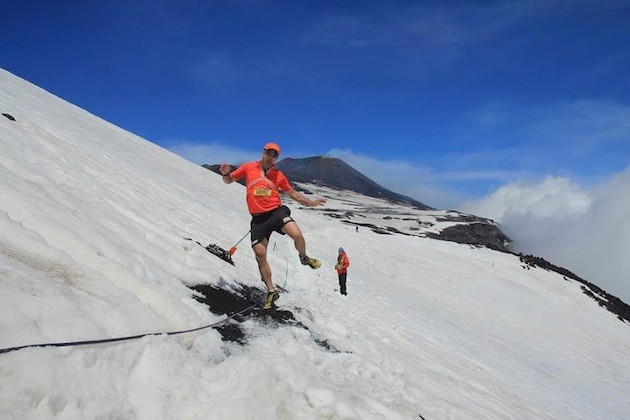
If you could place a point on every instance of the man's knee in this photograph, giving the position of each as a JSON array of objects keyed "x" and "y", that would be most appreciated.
[{"x": 260, "y": 252}]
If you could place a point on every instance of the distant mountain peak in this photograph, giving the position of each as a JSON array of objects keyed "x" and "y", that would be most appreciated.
[{"x": 335, "y": 173}]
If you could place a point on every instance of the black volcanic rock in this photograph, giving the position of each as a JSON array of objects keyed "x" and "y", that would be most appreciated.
[
  {"x": 335, "y": 173},
  {"x": 478, "y": 233},
  {"x": 604, "y": 299}
]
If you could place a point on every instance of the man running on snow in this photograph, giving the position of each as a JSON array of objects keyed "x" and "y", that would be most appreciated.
[{"x": 264, "y": 182}]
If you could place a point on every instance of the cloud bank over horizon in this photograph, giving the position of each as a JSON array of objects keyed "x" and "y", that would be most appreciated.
[{"x": 584, "y": 230}]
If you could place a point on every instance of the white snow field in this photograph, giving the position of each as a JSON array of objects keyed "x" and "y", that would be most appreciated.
[{"x": 92, "y": 228}]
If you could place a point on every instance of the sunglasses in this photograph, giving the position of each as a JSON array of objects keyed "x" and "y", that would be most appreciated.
[{"x": 271, "y": 153}]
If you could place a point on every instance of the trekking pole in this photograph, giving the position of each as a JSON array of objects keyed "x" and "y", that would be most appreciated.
[{"x": 233, "y": 249}]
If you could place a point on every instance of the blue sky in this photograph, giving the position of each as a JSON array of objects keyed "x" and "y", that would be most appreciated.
[{"x": 444, "y": 101}]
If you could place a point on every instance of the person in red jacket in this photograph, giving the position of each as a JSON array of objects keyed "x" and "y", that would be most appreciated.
[
  {"x": 342, "y": 269},
  {"x": 264, "y": 183}
]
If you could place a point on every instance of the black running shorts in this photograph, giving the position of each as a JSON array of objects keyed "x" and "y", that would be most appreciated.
[{"x": 264, "y": 224}]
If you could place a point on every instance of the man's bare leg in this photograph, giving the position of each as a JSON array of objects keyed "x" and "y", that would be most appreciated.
[
  {"x": 260, "y": 250},
  {"x": 295, "y": 233}
]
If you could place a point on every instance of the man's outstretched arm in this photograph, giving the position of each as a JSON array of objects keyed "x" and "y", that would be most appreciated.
[{"x": 305, "y": 201}]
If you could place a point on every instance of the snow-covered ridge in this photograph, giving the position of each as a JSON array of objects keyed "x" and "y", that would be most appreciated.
[
  {"x": 385, "y": 217},
  {"x": 92, "y": 221}
]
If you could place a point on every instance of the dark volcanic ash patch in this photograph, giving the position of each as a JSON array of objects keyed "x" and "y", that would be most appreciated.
[
  {"x": 249, "y": 299},
  {"x": 229, "y": 302}
]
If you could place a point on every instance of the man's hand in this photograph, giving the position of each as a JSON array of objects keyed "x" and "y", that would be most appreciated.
[
  {"x": 225, "y": 169},
  {"x": 305, "y": 201},
  {"x": 318, "y": 202}
]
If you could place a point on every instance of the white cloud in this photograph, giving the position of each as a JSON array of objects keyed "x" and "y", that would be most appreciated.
[
  {"x": 553, "y": 198},
  {"x": 585, "y": 231}
]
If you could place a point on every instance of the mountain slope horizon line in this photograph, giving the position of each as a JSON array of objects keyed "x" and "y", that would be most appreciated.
[{"x": 335, "y": 173}]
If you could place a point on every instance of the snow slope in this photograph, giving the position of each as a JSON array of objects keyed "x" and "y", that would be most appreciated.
[
  {"x": 92, "y": 228},
  {"x": 386, "y": 216}
]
